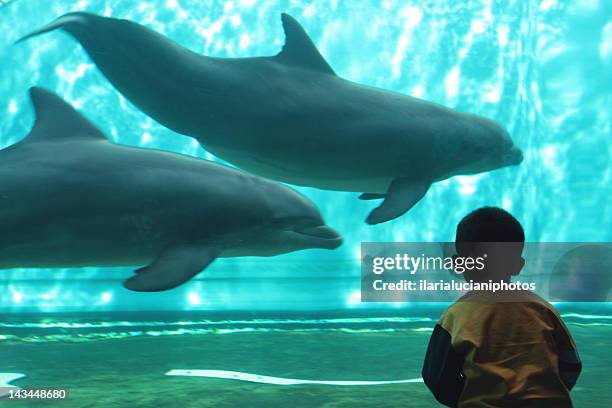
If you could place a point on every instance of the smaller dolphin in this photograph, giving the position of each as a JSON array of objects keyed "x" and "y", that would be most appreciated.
[
  {"x": 289, "y": 117},
  {"x": 70, "y": 198}
]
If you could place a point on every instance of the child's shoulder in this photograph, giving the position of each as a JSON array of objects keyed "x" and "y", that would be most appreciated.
[
  {"x": 499, "y": 299},
  {"x": 477, "y": 308}
]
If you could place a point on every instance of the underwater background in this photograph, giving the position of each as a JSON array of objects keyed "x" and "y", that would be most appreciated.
[{"x": 541, "y": 68}]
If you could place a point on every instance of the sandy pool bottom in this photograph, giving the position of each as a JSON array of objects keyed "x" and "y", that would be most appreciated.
[{"x": 129, "y": 372}]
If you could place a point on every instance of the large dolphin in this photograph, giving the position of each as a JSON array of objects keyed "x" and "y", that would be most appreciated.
[
  {"x": 289, "y": 117},
  {"x": 71, "y": 198}
]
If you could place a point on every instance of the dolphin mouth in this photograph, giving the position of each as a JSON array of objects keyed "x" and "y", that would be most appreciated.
[
  {"x": 514, "y": 156},
  {"x": 321, "y": 236}
]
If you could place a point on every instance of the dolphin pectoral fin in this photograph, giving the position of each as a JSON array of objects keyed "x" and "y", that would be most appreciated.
[
  {"x": 402, "y": 195},
  {"x": 173, "y": 267},
  {"x": 372, "y": 196}
]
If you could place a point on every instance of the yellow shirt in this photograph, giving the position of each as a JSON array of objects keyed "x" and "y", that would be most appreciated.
[{"x": 509, "y": 348}]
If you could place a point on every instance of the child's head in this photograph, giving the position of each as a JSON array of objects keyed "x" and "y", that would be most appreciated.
[{"x": 496, "y": 233}]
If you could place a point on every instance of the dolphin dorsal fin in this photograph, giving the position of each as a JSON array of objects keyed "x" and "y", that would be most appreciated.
[
  {"x": 299, "y": 48},
  {"x": 57, "y": 120}
]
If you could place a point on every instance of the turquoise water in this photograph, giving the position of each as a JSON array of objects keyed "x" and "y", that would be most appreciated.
[{"x": 541, "y": 68}]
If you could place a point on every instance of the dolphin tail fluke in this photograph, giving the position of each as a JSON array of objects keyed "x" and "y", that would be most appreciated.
[
  {"x": 63, "y": 22},
  {"x": 402, "y": 195}
]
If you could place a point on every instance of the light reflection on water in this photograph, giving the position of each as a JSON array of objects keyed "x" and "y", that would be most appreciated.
[{"x": 81, "y": 329}]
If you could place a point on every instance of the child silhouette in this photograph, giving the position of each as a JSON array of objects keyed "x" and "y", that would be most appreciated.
[{"x": 504, "y": 348}]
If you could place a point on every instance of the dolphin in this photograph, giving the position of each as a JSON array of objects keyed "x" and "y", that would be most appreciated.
[
  {"x": 289, "y": 117},
  {"x": 71, "y": 198}
]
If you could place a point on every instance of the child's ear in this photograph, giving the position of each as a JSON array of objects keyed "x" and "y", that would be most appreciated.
[{"x": 519, "y": 266}]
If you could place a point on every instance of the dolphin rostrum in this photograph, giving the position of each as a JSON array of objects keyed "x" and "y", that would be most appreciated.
[
  {"x": 71, "y": 198},
  {"x": 289, "y": 117}
]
